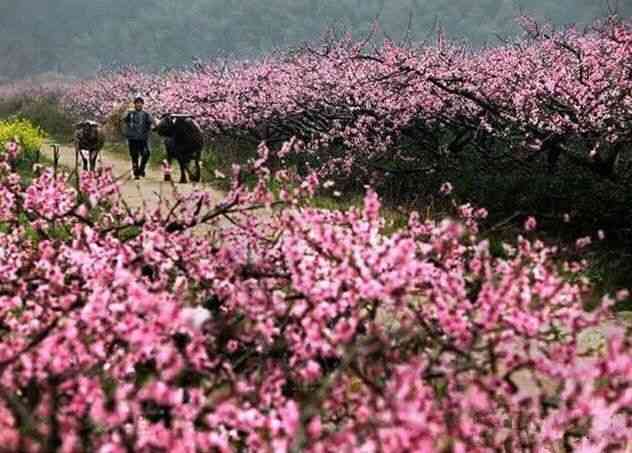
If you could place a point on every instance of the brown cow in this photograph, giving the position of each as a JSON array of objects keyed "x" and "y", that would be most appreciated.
[{"x": 89, "y": 139}]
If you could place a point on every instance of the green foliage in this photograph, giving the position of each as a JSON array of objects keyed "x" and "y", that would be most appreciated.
[
  {"x": 24, "y": 167},
  {"x": 48, "y": 114},
  {"x": 29, "y": 136},
  {"x": 219, "y": 156},
  {"x": 38, "y": 99}
]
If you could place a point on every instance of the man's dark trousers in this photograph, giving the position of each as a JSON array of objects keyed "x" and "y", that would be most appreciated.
[{"x": 139, "y": 152}]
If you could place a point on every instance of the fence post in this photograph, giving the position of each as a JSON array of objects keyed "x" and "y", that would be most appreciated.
[
  {"x": 36, "y": 160},
  {"x": 77, "y": 167},
  {"x": 55, "y": 147}
]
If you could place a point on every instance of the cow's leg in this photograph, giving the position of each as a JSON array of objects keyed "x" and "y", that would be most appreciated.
[
  {"x": 169, "y": 158},
  {"x": 93, "y": 159},
  {"x": 198, "y": 170},
  {"x": 84, "y": 160},
  {"x": 183, "y": 170}
]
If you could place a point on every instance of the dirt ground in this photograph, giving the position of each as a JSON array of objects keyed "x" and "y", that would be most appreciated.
[{"x": 135, "y": 192}]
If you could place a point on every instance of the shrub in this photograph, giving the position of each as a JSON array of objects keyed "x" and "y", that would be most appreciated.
[
  {"x": 49, "y": 115},
  {"x": 29, "y": 136},
  {"x": 114, "y": 121},
  {"x": 39, "y": 101}
]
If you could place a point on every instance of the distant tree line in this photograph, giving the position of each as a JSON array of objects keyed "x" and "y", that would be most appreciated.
[{"x": 79, "y": 37}]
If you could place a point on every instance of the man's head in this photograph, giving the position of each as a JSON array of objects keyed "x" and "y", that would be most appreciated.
[{"x": 138, "y": 103}]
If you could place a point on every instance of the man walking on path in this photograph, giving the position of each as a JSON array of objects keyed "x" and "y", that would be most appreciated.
[{"x": 138, "y": 124}]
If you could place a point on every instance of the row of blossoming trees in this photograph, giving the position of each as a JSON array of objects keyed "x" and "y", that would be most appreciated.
[
  {"x": 199, "y": 325},
  {"x": 561, "y": 95}
]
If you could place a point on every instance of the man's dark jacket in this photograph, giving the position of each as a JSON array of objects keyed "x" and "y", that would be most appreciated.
[{"x": 137, "y": 125}]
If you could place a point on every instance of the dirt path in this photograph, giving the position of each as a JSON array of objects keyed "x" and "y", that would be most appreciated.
[{"x": 135, "y": 192}]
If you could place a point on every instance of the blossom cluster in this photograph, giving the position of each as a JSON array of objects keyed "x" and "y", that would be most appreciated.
[{"x": 198, "y": 325}]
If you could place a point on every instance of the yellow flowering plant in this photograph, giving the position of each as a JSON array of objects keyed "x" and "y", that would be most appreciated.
[{"x": 29, "y": 136}]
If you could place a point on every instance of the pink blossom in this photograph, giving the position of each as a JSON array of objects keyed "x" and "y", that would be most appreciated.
[
  {"x": 195, "y": 317},
  {"x": 583, "y": 242},
  {"x": 530, "y": 224},
  {"x": 446, "y": 188}
]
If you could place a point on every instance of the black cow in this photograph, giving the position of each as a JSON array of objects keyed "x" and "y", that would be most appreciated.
[
  {"x": 88, "y": 140},
  {"x": 183, "y": 141}
]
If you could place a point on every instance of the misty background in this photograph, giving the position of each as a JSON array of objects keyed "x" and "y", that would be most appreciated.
[{"x": 79, "y": 37}]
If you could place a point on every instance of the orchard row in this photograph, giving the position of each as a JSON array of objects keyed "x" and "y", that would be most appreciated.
[{"x": 351, "y": 105}]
